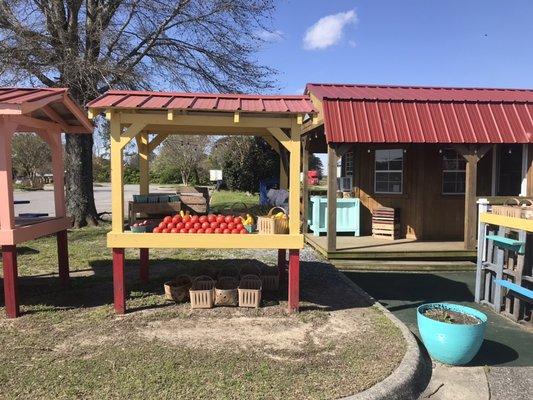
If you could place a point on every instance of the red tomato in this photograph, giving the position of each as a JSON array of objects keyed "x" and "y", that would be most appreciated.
[
  {"x": 205, "y": 225},
  {"x": 231, "y": 226},
  {"x": 166, "y": 230},
  {"x": 200, "y": 230},
  {"x": 175, "y": 220},
  {"x": 174, "y": 230},
  {"x": 188, "y": 225},
  {"x": 223, "y": 225},
  {"x": 180, "y": 225},
  {"x": 239, "y": 226},
  {"x": 202, "y": 219},
  {"x": 184, "y": 230},
  {"x": 211, "y": 218},
  {"x": 244, "y": 231},
  {"x": 228, "y": 219},
  {"x": 162, "y": 225},
  {"x": 171, "y": 225},
  {"x": 194, "y": 218},
  {"x": 167, "y": 219},
  {"x": 226, "y": 231},
  {"x": 235, "y": 231},
  {"x": 209, "y": 230},
  {"x": 197, "y": 225},
  {"x": 192, "y": 230},
  {"x": 214, "y": 225},
  {"x": 237, "y": 220},
  {"x": 220, "y": 219},
  {"x": 157, "y": 230},
  {"x": 218, "y": 230}
]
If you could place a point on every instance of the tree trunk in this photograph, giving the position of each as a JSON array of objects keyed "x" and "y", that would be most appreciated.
[{"x": 79, "y": 180}]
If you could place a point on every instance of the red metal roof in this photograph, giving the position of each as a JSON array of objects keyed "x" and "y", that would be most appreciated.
[
  {"x": 204, "y": 102},
  {"x": 46, "y": 104},
  {"x": 388, "y": 114}
]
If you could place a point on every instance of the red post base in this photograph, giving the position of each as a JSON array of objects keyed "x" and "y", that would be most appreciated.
[
  {"x": 282, "y": 264},
  {"x": 294, "y": 280},
  {"x": 144, "y": 271},
  {"x": 9, "y": 261},
  {"x": 62, "y": 256},
  {"x": 119, "y": 286}
]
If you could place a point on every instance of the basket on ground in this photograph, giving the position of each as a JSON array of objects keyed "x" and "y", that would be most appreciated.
[
  {"x": 270, "y": 279},
  {"x": 226, "y": 292},
  {"x": 272, "y": 225},
  {"x": 250, "y": 291},
  {"x": 178, "y": 289},
  {"x": 202, "y": 292}
]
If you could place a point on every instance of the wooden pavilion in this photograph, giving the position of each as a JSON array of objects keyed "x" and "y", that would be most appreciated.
[
  {"x": 428, "y": 152},
  {"x": 150, "y": 117},
  {"x": 48, "y": 113}
]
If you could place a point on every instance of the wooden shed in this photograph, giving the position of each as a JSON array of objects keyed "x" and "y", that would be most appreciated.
[{"x": 427, "y": 152}]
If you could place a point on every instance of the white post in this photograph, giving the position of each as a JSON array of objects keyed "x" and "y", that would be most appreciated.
[{"x": 523, "y": 186}]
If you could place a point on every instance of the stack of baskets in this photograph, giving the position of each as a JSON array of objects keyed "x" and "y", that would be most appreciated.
[
  {"x": 232, "y": 288},
  {"x": 516, "y": 208}
]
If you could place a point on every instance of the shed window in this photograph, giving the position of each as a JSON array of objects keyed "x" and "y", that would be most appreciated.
[
  {"x": 388, "y": 176},
  {"x": 453, "y": 172},
  {"x": 348, "y": 164}
]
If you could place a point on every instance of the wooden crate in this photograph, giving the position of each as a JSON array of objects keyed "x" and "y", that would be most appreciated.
[{"x": 386, "y": 223}]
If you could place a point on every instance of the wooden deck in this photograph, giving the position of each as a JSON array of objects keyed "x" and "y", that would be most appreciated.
[{"x": 369, "y": 248}]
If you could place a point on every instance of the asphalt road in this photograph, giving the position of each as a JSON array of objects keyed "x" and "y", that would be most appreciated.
[{"x": 42, "y": 201}]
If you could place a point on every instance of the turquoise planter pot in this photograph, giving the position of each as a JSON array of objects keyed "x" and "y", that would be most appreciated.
[{"x": 454, "y": 344}]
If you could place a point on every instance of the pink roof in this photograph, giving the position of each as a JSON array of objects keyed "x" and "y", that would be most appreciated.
[
  {"x": 47, "y": 104},
  {"x": 204, "y": 102},
  {"x": 400, "y": 114}
]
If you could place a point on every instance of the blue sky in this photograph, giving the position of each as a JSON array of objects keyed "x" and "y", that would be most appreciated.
[{"x": 413, "y": 42}]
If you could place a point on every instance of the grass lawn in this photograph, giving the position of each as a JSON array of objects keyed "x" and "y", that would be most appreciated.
[{"x": 69, "y": 343}]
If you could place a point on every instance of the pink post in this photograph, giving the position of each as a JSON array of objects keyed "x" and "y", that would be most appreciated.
[
  {"x": 119, "y": 286},
  {"x": 9, "y": 260},
  {"x": 144, "y": 271},
  {"x": 294, "y": 280},
  {"x": 62, "y": 256}
]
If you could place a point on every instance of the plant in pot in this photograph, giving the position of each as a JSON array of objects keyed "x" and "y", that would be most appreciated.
[{"x": 451, "y": 333}]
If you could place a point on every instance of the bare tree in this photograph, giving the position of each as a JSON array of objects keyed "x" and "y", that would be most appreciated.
[
  {"x": 31, "y": 156},
  {"x": 186, "y": 153},
  {"x": 93, "y": 45}
]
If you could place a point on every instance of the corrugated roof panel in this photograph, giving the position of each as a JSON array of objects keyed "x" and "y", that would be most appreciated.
[
  {"x": 203, "y": 103},
  {"x": 427, "y": 122},
  {"x": 132, "y": 101},
  {"x": 180, "y": 103},
  {"x": 252, "y": 105},
  {"x": 276, "y": 105},
  {"x": 107, "y": 101},
  {"x": 225, "y": 104}
]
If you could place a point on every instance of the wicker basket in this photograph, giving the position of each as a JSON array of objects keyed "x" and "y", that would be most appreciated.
[
  {"x": 272, "y": 226},
  {"x": 226, "y": 292},
  {"x": 202, "y": 292},
  {"x": 178, "y": 289},
  {"x": 250, "y": 291}
]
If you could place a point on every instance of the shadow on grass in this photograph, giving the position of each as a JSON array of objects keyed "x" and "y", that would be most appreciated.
[{"x": 321, "y": 288}]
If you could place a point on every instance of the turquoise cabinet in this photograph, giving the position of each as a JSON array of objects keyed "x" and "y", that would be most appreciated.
[{"x": 348, "y": 215}]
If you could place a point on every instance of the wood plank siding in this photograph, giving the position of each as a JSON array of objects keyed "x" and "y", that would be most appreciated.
[{"x": 425, "y": 213}]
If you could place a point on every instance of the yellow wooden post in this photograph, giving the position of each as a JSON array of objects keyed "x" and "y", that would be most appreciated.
[
  {"x": 294, "y": 179},
  {"x": 117, "y": 187},
  {"x": 144, "y": 171}
]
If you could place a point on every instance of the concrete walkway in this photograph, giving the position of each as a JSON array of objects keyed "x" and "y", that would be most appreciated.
[{"x": 503, "y": 368}]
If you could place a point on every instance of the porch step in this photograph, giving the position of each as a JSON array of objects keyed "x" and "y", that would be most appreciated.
[{"x": 384, "y": 265}]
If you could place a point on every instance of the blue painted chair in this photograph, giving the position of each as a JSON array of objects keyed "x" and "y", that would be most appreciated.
[{"x": 348, "y": 215}]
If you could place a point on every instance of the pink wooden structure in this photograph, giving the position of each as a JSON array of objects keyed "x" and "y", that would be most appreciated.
[{"x": 48, "y": 113}]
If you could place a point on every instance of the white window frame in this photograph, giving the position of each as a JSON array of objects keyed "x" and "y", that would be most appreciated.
[
  {"x": 349, "y": 163},
  {"x": 459, "y": 156},
  {"x": 376, "y": 171}
]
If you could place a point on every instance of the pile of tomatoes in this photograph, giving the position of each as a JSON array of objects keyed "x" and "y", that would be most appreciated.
[{"x": 201, "y": 224}]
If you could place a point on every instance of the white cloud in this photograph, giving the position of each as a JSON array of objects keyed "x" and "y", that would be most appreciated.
[
  {"x": 270, "y": 36},
  {"x": 327, "y": 31}
]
